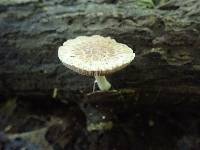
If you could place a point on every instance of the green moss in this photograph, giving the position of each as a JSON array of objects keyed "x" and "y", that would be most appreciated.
[{"x": 100, "y": 126}]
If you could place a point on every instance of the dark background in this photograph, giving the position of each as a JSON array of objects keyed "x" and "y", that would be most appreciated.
[{"x": 163, "y": 81}]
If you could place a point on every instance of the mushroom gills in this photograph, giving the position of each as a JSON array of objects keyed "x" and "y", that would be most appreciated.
[{"x": 103, "y": 83}]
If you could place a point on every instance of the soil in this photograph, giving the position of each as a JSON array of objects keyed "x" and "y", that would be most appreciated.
[{"x": 52, "y": 124}]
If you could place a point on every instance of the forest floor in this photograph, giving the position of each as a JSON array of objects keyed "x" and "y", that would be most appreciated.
[{"x": 51, "y": 124}]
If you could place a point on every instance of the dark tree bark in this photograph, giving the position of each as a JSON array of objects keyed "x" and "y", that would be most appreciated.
[
  {"x": 165, "y": 39},
  {"x": 164, "y": 35}
]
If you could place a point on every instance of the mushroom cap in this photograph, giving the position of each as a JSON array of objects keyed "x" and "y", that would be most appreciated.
[{"x": 95, "y": 55}]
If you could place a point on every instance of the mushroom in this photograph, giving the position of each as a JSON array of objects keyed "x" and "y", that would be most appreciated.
[{"x": 95, "y": 56}]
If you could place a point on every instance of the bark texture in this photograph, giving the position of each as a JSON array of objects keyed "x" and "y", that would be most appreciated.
[{"x": 165, "y": 37}]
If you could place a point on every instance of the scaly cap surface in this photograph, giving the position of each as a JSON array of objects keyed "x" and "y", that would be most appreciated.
[{"x": 95, "y": 55}]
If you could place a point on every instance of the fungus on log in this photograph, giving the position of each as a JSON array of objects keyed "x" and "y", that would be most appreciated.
[{"x": 166, "y": 44}]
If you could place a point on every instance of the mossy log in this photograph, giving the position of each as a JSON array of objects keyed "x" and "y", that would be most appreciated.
[{"x": 165, "y": 38}]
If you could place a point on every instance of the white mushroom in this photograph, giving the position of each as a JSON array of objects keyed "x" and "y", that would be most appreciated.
[{"x": 95, "y": 56}]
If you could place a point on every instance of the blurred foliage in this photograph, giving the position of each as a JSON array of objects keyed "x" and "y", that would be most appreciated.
[
  {"x": 150, "y": 3},
  {"x": 7, "y": 108},
  {"x": 146, "y": 3},
  {"x": 159, "y": 2}
]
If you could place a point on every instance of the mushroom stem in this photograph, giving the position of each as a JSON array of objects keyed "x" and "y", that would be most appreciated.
[{"x": 103, "y": 83}]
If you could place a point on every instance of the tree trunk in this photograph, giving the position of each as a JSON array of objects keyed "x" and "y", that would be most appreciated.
[{"x": 164, "y": 36}]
